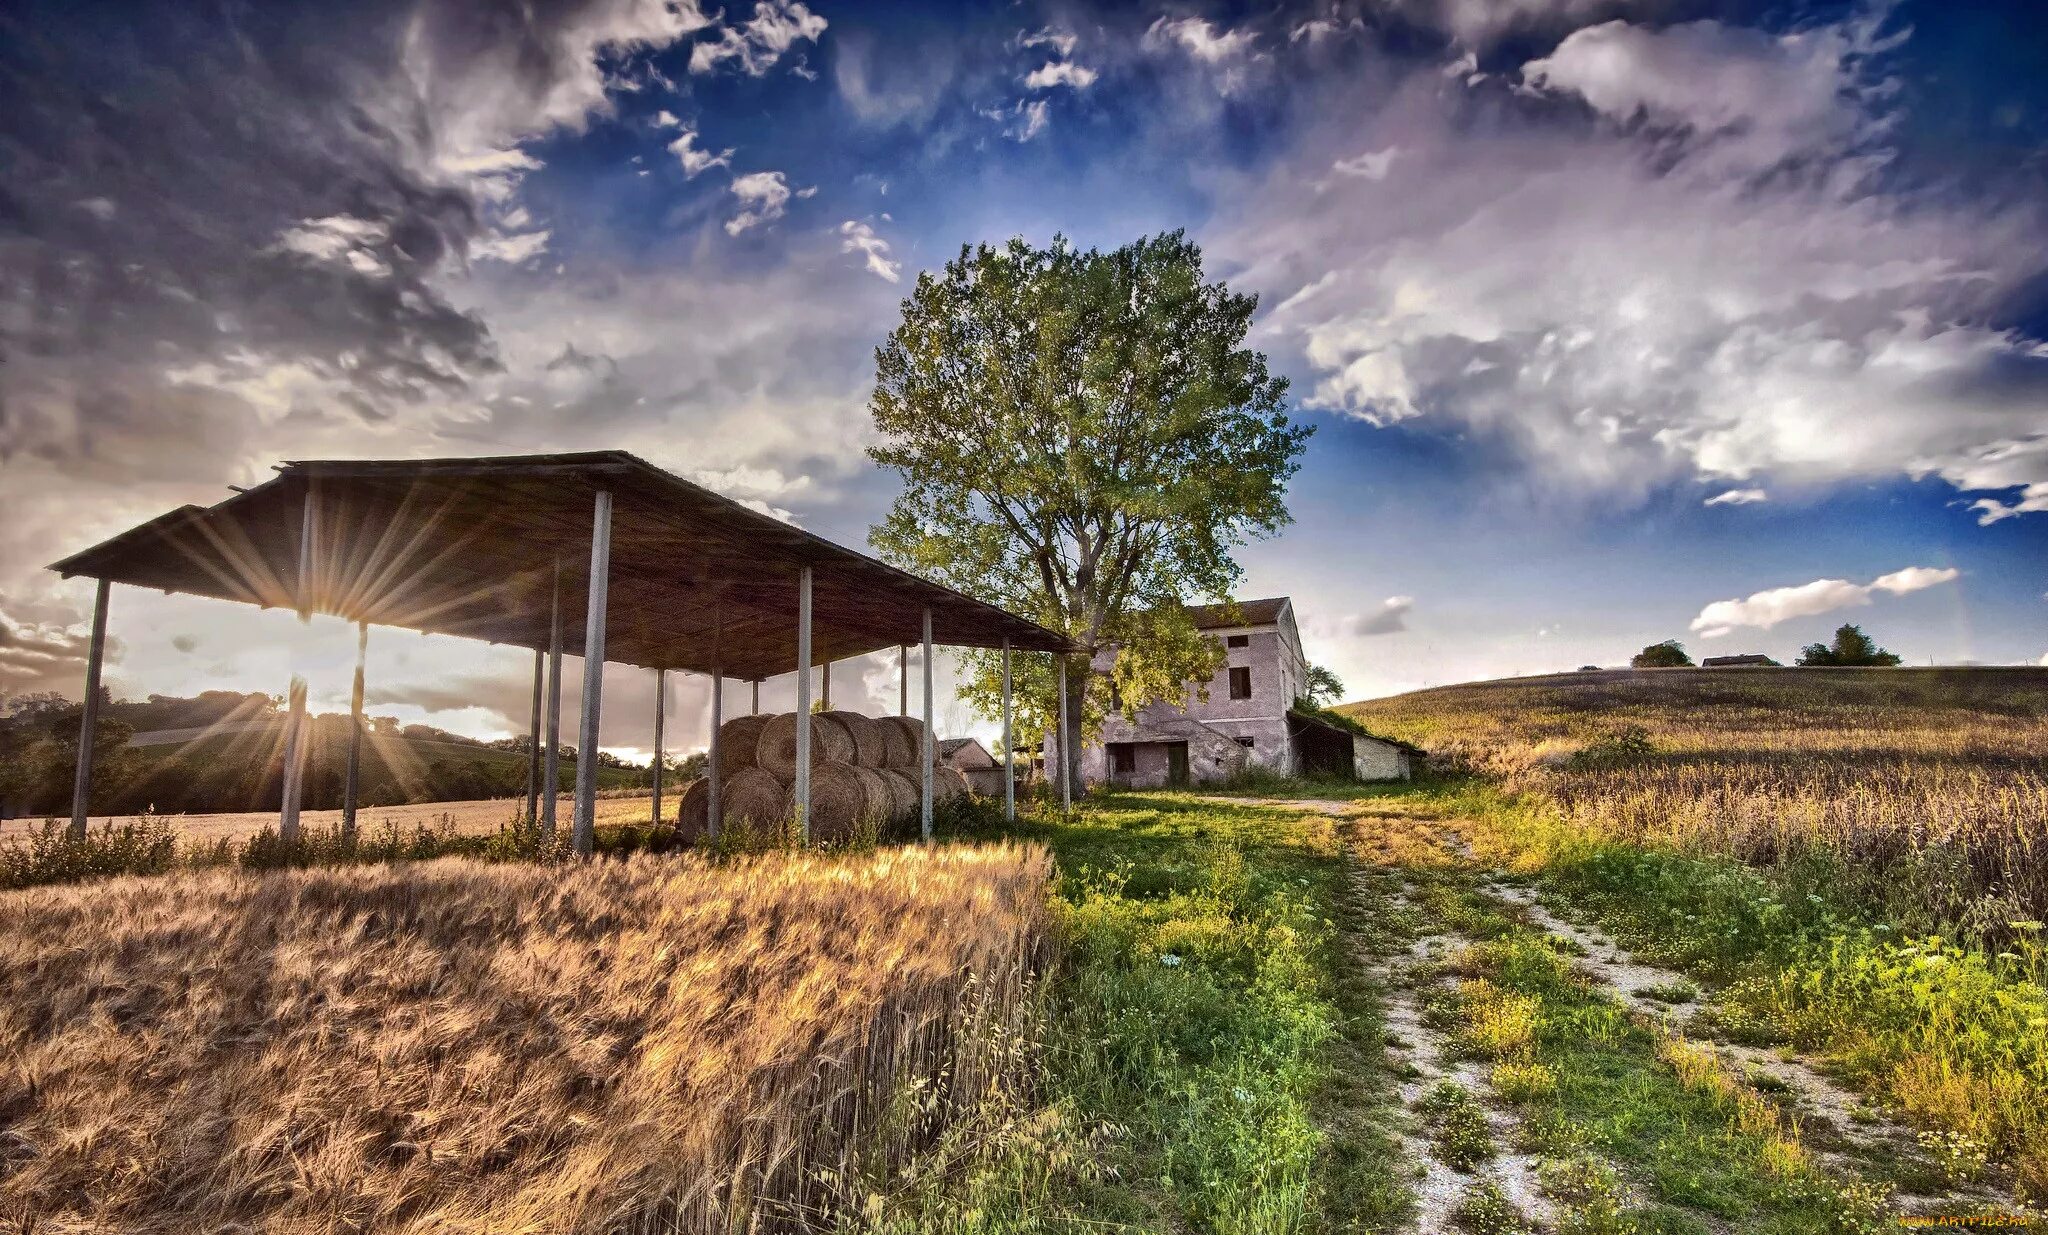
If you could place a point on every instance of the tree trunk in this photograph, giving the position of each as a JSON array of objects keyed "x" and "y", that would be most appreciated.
[{"x": 1070, "y": 738}]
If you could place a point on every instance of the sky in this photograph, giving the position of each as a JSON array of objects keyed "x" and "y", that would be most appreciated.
[{"x": 1618, "y": 320}]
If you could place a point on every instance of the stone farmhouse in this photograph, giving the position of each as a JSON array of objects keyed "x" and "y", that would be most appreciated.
[{"x": 1248, "y": 720}]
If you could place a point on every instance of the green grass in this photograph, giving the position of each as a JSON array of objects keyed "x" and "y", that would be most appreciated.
[{"x": 1196, "y": 1026}]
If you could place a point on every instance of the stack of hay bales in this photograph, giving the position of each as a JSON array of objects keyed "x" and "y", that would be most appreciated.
[{"x": 864, "y": 771}]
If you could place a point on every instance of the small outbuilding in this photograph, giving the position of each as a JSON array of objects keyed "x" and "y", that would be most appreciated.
[
  {"x": 1747, "y": 660},
  {"x": 971, "y": 759}
]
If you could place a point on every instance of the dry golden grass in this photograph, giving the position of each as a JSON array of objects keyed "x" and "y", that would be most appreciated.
[
  {"x": 475, "y": 818},
  {"x": 659, "y": 1044},
  {"x": 1930, "y": 782}
]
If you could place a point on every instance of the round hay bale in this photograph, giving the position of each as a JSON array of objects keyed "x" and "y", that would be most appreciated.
[
  {"x": 903, "y": 790},
  {"x": 901, "y": 736},
  {"x": 775, "y": 752},
  {"x": 837, "y": 741},
  {"x": 869, "y": 746},
  {"x": 753, "y": 798},
  {"x": 837, "y": 799},
  {"x": 880, "y": 807},
  {"x": 739, "y": 741},
  {"x": 693, "y": 814},
  {"x": 948, "y": 783}
]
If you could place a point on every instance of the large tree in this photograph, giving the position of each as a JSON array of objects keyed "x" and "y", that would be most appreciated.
[
  {"x": 1083, "y": 438},
  {"x": 1851, "y": 648}
]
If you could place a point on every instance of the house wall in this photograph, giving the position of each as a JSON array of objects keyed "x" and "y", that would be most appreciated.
[
  {"x": 1279, "y": 674},
  {"x": 1375, "y": 760}
]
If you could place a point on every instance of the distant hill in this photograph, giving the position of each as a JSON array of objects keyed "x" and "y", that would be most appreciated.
[
  {"x": 1991, "y": 710},
  {"x": 223, "y": 751}
]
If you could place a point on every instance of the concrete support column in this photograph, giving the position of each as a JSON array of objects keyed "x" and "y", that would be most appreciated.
[
  {"x": 712, "y": 771},
  {"x": 352, "y": 781},
  {"x": 660, "y": 712},
  {"x": 755, "y": 707},
  {"x": 1009, "y": 745},
  {"x": 533, "y": 736},
  {"x": 803, "y": 705},
  {"x": 296, "y": 735},
  {"x": 584, "y": 835},
  {"x": 902, "y": 679},
  {"x": 551, "y": 764},
  {"x": 930, "y": 746},
  {"x": 825, "y": 685},
  {"x": 81, "y": 776}
]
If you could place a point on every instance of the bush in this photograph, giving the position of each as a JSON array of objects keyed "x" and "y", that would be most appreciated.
[{"x": 50, "y": 854}]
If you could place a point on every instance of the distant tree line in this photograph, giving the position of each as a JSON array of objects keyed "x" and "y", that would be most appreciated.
[
  {"x": 1851, "y": 649},
  {"x": 236, "y": 762}
]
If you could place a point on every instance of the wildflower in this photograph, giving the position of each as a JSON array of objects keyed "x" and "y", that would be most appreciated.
[{"x": 1170, "y": 960}]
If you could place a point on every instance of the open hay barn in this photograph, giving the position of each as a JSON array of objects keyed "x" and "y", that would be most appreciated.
[{"x": 671, "y": 577}]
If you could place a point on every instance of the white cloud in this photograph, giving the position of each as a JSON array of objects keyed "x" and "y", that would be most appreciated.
[
  {"x": 1205, "y": 42},
  {"x": 1060, "y": 73},
  {"x": 756, "y": 45},
  {"x": 333, "y": 239},
  {"x": 1749, "y": 99},
  {"x": 1481, "y": 23},
  {"x": 513, "y": 248},
  {"x": 695, "y": 160},
  {"x": 1737, "y": 497},
  {"x": 1390, "y": 618},
  {"x": 764, "y": 197},
  {"x": 1766, "y": 609},
  {"x": 1022, "y": 120},
  {"x": 1061, "y": 41},
  {"x": 1623, "y": 305},
  {"x": 666, "y": 119},
  {"x": 861, "y": 238},
  {"x": 1372, "y": 165}
]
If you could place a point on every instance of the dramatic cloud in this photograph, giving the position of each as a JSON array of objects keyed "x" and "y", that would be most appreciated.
[
  {"x": 1766, "y": 609},
  {"x": 1704, "y": 277},
  {"x": 861, "y": 238},
  {"x": 1481, "y": 23},
  {"x": 1225, "y": 55},
  {"x": 756, "y": 45},
  {"x": 1737, "y": 497},
  {"x": 1743, "y": 98},
  {"x": 38, "y": 657},
  {"x": 695, "y": 160},
  {"x": 1390, "y": 618}
]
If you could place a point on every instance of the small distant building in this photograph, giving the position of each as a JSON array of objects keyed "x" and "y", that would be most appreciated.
[
  {"x": 1746, "y": 660},
  {"x": 971, "y": 759},
  {"x": 1248, "y": 720}
]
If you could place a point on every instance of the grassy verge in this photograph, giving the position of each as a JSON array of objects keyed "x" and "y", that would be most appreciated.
[
  {"x": 1193, "y": 1028},
  {"x": 1952, "y": 1033}
]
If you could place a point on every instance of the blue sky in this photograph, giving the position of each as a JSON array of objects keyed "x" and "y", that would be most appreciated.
[{"x": 1620, "y": 320}]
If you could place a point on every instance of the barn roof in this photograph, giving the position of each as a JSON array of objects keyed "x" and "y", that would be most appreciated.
[{"x": 471, "y": 547}]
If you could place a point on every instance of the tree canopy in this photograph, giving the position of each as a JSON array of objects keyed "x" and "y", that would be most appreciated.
[
  {"x": 1083, "y": 439},
  {"x": 1851, "y": 649},
  {"x": 1669, "y": 654}
]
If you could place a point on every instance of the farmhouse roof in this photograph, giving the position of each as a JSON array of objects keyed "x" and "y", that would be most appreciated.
[
  {"x": 1238, "y": 613},
  {"x": 481, "y": 547},
  {"x": 1746, "y": 658}
]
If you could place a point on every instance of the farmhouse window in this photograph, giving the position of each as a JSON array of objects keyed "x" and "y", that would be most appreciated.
[
  {"x": 1123, "y": 758},
  {"x": 1247, "y": 742},
  {"x": 1240, "y": 683},
  {"x": 1238, "y": 641}
]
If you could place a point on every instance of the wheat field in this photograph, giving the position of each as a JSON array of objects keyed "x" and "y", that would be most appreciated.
[
  {"x": 659, "y": 1044},
  {"x": 1930, "y": 786}
]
